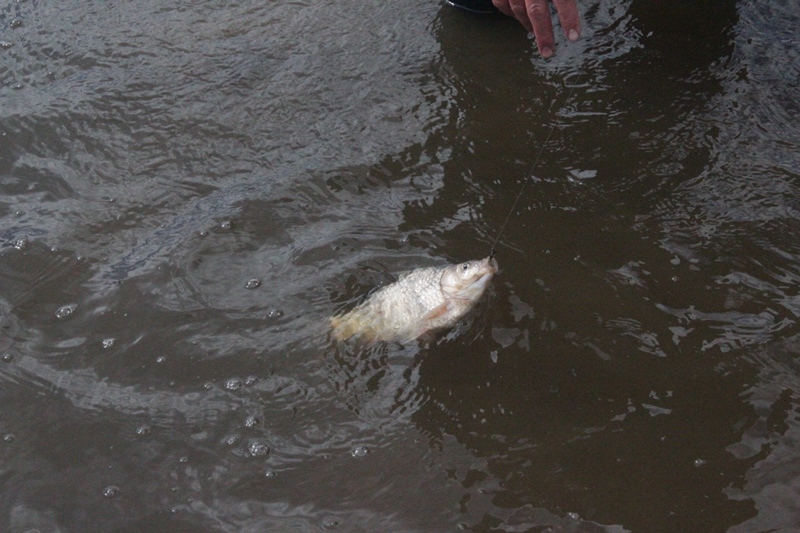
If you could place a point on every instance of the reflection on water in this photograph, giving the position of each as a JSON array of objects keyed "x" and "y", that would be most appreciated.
[{"x": 190, "y": 191}]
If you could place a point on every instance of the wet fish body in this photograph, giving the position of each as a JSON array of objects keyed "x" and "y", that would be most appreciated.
[{"x": 422, "y": 300}]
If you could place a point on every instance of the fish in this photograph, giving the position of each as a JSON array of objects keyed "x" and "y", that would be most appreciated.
[{"x": 422, "y": 300}]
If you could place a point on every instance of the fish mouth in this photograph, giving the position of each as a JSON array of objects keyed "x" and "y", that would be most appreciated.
[
  {"x": 490, "y": 263},
  {"x": 490, "y": 268},
  {"x": 483, "y": 280}
]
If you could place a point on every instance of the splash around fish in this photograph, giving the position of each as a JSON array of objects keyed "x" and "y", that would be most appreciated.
[{"x": 420, "y": 301}]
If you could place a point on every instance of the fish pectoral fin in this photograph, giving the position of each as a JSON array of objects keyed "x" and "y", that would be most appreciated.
[
  {"x": 436, "y": 313},
  {"x": 426, "y": 337},
  {"x": 432, "y": 320}
]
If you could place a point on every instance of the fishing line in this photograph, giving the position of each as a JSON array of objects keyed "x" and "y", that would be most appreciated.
[{"x": 529, "y": 175}]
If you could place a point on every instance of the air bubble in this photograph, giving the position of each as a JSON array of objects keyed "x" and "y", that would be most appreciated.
[
  {"x": 226, "y": 225},
  {"x": 108, "y": 343},
  {"x": 5, "y": 45},
  {"x": 258, "y": 449},
  {"x": 232, "y": 440},
  {"x": 161, "y": 359},
  {"x": 110, "y": 491},
  {"x": 9, "y": 437},
  {"x": 360, "y": 451},
  {"x": 233, "y": 384},
  {"x": 699, "y": 462},
  {"x": 330, "y": 523},
  {"x": 250, "y": 422},
  {"x": 7, "y": 358},
  {"x": 183, "y": 459},
  {"x": 142, "y": 431},
  {"x": 250, "y": 380},
  {"x": 269, "y": 473},
  {"x": 252, "y": 283},
  {"x": 15, "y": 23},
  {"x": 275, "y": 313},
  {"x": 66, "y": 310},
  {"x": 19, "y": 244}
]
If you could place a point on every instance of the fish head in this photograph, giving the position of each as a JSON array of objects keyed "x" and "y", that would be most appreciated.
[{"x": 468, "y": 281}]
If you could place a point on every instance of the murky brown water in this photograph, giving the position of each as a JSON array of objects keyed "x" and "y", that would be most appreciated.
[{"x": 190, "y": 189}]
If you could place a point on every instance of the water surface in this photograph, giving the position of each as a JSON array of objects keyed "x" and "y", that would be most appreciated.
[{"x": 190, "y": 190}]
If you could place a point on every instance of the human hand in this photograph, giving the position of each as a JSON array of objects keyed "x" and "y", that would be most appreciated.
[{"x": 535, "y": 16}]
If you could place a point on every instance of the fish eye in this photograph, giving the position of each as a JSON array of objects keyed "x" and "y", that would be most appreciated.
[{"x": 465, "y": 267}]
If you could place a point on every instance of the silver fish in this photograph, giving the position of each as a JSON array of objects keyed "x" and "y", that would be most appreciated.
[{"x": 422, "y": 300}]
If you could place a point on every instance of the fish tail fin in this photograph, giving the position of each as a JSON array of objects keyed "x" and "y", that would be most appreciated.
[{"x": 342, "y": 327}]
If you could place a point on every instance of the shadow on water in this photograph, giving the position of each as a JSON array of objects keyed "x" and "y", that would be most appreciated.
[{"x": 187, "y": 202}]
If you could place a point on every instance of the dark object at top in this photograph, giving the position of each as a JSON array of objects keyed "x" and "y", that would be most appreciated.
[{"x": 475, "y": 6}]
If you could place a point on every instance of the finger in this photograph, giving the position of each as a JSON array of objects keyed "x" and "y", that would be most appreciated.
[
  {"x": 520, "y": 12},
  {"x": 569, "y": 18},
  {"x": 539, "y": 14},
  {"x": 503, "y": 6}
]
